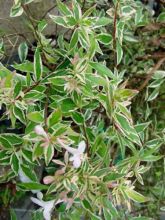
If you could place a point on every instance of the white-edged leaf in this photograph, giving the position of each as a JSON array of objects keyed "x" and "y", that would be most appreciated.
[
  {"x": 38, "y": 67},
  {"x": 23, "y": 51}
]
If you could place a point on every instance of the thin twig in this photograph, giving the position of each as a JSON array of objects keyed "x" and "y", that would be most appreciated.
[
  {"x": 83, "y": 5},
  {"x": 28, "y": 90},
  {"x": 150, "y": 74},
  {"x": 49, "y": 10}
]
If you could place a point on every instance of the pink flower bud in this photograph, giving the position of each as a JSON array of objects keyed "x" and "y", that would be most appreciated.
[
  {"x": 40, "y": 131},
  {"x": 48, "y": 179}
]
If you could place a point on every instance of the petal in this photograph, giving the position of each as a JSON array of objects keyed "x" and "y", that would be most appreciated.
[
  {"x": 77, "y": 162},
  {"x": 71, "y": 150},
  {"x": 72, "y": 158},
  {"x": 47, "y": 214},
  {"x": 49, "y": 205},
  {"x": 40, "y": 195},
  {"x": 81, "y": 147},
  {"x": 38, "y": 202}
]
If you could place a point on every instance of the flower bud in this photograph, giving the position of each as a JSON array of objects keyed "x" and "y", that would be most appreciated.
[
  {"x": 40, "y": 131},
  {"x": 48, "y": 179}
]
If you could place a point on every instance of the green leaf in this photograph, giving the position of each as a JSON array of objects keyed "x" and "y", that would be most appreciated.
[
  {"x": 77, "y": 117},
  {"x": 17, "y": 89},
  {"x": 156, "y": 83},
  {"x": 19, "y": 114},
  {"x": 135, "y": 196},
  {"x": 150, "y": 158},
  {"x": 161, "y": 17},
  {"x": 103, "y": 21},
  {"x": 57, "y": 81},
  {"x": 77, "y": 10},
  {"x": 102, "y": 69},
  {"x": 127, "y": 10},
  {"x": 38, "y": 68},
  {"x": 23, "y": 51},
  {"x": 34, "y": 95},
  {"x": 159, "y": 74},
  {"x": 16, "y": 10},
  {"x": 28, "y": 67},
  {"x": 59, "y": 20},
  {"x": 14, "y": 161},
  {"x": 67, "y": 105},
  {"x": 13, "y": 139},
  {"x": 86, "y": 205},
  {"x": 13, "y": 215},
  {"x": 153, "y": 95},
  {"x": 48, "y": 153},
  {"x": 54, "y": 118},
  {"x": 126, "y": 127},
  {"x": 64, "y": 10},
  {"x": 36, "y": 117},
  {"x": 89, "y": 11},
  {"x": 110, "y": 208},
  {"x": 74, "y": 39},
  {"x": 32, "y": 186},
  {"x": 119, "y": 53},
  {"x": 141, "y": 127},
  {"x": 29, "y": 173},
  {"x": 37, "y": 152},
  {"x": 104, "y": 38},
  {"x": 4, "y": 155},
  {"x": 5, "y": 143}
]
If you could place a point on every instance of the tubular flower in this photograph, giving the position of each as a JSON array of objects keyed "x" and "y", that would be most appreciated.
[{"x": 77, "y": 154}]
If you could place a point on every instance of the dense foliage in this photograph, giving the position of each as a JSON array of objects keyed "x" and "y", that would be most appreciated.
[{"x": 84, "y": 120}]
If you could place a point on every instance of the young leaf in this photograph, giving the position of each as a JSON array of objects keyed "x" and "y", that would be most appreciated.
[
  {"x": 59, "y": 20},
  {"x": 23, "y": 51},
  {"x": 36, "y": 117},
  {"x": 13, "y": 139},
  {"x": 77, "y": 117},
  {"x": 54, "y": 118},
  {"x": 119, "y": 53},
  {"x": 38, "y": 68},
  {"x": 104, "y": 38},
  {"x": 102, "y": 69},
  {"x": 126, "y": 127},
  {"x": 135, "y": 196},
  {"x": 32, "y": 186},
  {"x": 74, "y": 39},
  {"x": 64, "y": 10},
  {"x": 48, "y": 153},
  {"x": 19, "y": 114},
  {"x": 14, "y": 161},
  {"x": 16, "y": 10}
]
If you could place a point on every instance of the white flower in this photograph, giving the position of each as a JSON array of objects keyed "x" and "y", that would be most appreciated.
[
  {"x": 77, "y": 153},
  {"x": 40, "y": 131},
  {"x": 47, "y": 206}
]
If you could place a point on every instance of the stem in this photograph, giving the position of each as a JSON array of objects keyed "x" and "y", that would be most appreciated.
[
  {"x": 83, "y": 5},
  {"x": 28, "y": 89},
  {"x": 36, "y": 36},
  {"x": 150, "y": 74}
]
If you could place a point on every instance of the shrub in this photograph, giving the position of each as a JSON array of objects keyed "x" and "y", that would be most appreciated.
[{"x": 88, "y": 110}]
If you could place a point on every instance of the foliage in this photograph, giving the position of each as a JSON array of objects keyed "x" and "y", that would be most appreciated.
[{"x": 90, "y": 109}]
